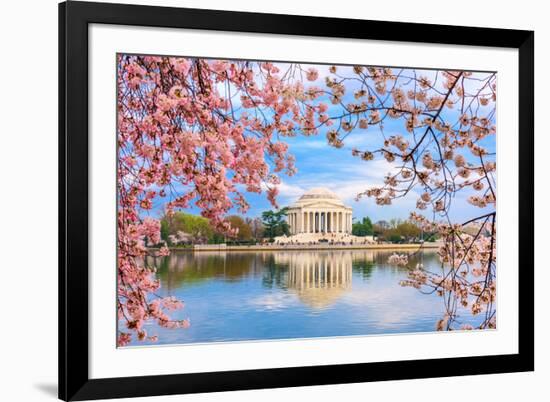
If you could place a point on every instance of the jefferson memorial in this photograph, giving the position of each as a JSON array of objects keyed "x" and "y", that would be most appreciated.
[{"x": 319, "y": 215}]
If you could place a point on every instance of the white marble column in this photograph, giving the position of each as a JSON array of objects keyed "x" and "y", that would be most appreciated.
[
  {"x": 320, "y": 222},
  {"x": 345, "y": 222},
  {"x": 315, "y": 221}
]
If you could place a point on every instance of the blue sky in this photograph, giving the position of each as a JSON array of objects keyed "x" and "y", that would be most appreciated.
[{"x": 320, "y": 165}]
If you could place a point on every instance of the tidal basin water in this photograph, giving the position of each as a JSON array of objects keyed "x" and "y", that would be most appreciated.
[{"x": 236, "y": 296}]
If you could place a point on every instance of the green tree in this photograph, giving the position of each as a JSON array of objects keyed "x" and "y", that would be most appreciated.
[
  {"x": 196, "y": 227},
  {"x": 275, "y": 223},
  {"x": 393, "y": 236},
  {"x": 217, "y": 238},
  {"x": 164, "y": 230},
  {"x": 363, "y": 228}
]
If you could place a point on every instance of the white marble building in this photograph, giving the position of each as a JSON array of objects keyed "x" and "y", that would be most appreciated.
[
  {"x": 319, "y": 211},
  {"x": 320, "y": 214}
]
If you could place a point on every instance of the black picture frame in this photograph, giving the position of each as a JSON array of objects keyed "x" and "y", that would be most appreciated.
[{"x": 74, "y": 18}]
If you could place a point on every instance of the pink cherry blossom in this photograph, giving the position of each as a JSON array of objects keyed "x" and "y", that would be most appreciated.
[{"x": 312, "y": 74}]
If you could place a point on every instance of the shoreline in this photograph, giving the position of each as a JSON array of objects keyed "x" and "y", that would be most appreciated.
[{"x": 224, "y": 247}]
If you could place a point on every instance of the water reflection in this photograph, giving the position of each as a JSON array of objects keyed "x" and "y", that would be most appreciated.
[
  {"x": 292, "y": 294},
  {"x": 188, "y": 269},
  {"x": 276, "y": 268},
  {"x": 318, "y": 279}
]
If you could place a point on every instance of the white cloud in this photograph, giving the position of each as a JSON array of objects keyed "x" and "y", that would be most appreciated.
[
  {"x": 345, "y": 179},
  {"x": 290, "y": 191},
  {"x": 274, "y": 301}
]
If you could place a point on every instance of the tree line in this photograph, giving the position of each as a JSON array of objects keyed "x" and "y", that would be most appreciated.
[
  {"x": 181, "y": 228},
  {"x": 394, "y": 231}
]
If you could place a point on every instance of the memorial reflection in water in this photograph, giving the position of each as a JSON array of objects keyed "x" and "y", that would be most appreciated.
[
  {"x": 285, "y": 294},
  {"x": 318, "y": 279}
]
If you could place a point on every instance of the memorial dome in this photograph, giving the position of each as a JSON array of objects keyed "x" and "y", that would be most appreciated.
[{"x": 319, "y": 194}]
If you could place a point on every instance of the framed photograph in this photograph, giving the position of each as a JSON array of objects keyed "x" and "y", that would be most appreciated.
[{"x": 258, "y": 201}]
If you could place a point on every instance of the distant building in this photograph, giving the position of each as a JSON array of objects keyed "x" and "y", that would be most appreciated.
[
  {"x": 320, "y": 215},
  {"x": 319, "y": 211}
]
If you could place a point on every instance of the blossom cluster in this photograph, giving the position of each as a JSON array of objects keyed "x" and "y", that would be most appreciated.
[{"x": 196, "y": 131}]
